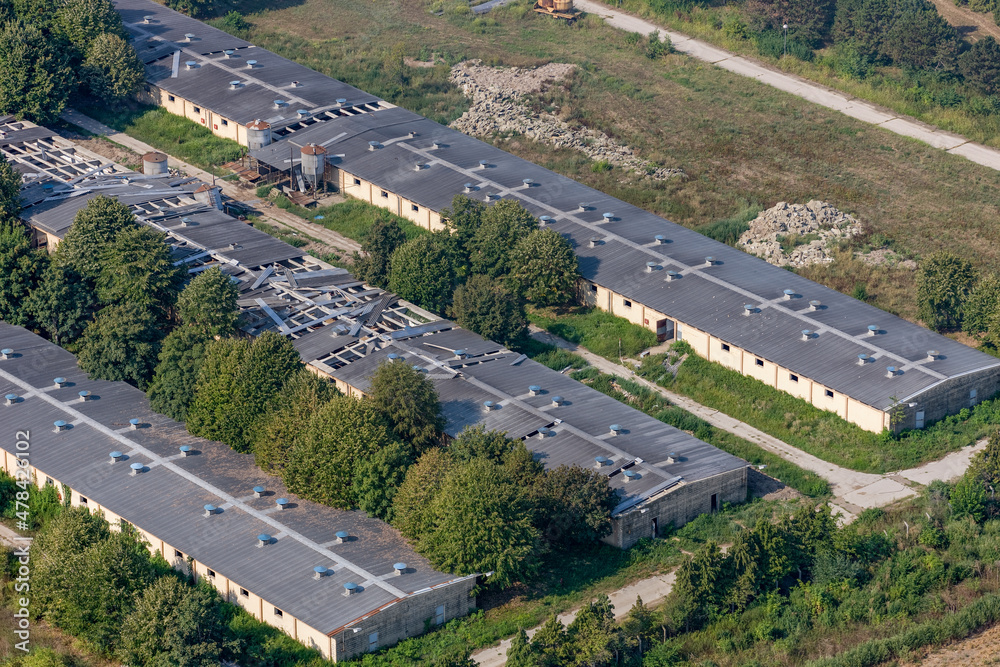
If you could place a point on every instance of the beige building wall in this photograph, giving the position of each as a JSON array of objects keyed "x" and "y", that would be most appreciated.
[
  {"x": 364, "y": 190},
  {"x": 800, "y": 388}
]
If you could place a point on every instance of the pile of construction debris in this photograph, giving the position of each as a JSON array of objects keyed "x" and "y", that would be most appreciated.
[
  {"x": 809, "y": 233},
  {"x": 500, "y": 106}
]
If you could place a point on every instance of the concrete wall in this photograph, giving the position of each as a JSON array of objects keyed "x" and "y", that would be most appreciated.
[
  {"x": 219, "y": 125},
  {"x": 359, "y": 188},
  {"x": 677, "y": 506},
  {"x": 949, "y": 397},
  {"x": 404, "y": 618}
]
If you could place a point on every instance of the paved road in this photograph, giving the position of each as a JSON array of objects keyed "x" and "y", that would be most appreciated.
[
  {"x": 650, "y": 590},
  {"x": 807, "y": 90},
  {"x": 853, "y": 491},
  {"x": 333, "y": 241}
]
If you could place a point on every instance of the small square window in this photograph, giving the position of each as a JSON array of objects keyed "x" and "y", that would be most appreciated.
[
  {"x": 725, "y": 347},
  {"x": 244, "y": 592},
  {"x": 171, "y": 98},
  {"x": 178, "y": 554},
  {"x": 197, "y": 109},
  {"x": 278, "y": 612},
  {"x": 357, "y": 181},
  {"x": 829, "y": 394},
  {"x": 759, "y": 362},
  {"x": 593, "y": 288},
  {"x": 210, "y": 574},
  {"x": 973, "y": 393},
  {"x": 48, "y": 481},
  {"x": 225, "y": 122},
  {"x": 439, "y": 615},
  {"x": 628, "y": 304},
  {"x": 414, "y": 207},
  {"x": 373, "y": 641},
  {"x": 793, "y": 377},
  {"x": 385, "y": 195},
  {"x": 83, "y": 501}
]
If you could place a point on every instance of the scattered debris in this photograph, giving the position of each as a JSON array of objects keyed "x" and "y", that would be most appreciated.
[
  {"x": 500, "y": 106},
  {"x": 799, "y": 235}
]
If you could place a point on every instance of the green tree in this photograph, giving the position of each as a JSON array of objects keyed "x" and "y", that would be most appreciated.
[
  {"x": 489, "y": 309},
  {"x": 341, "y": 434},
  {"x": 968, "y": 498},
  {"x": 921, "y": 38},
  {"x": 121, "y": 343},
  {"x": 62, "y": 304},
  {"x": 303, "y": 395},
  {"x": 382, "y": 240},
  {"x": 172, "y": 624},
  {"x": 176, "y": 375},
  {"x": 193, "y": 8},
  {"x": 138, "y": 268},
  {"x": 593, "y": 634},
  {"x": 544, "y": 268},
  {"x": 237, "y": 381},
  {"x": 944, "y": 282},
  {"x": 475, "y": 442},
  {"x": 21, "y": 268},
  {"x": 696, "y": 593},
  {"x": 112, "y": 70},
  {"x": 95, "y": 228},
  {"x": 638, "y": 628},
  {"x": 208, "y": 304},
  {"x": 10, "y": 191},
  {"x": 549, "y": 644},
  {"x": 980, "y": 65},
  {"x": 408, "y": 400},
  {"x": 35, "y": 75},
  {"x": 378, "y": 477},
  {"x": 520, "y": 654},
  {"x": 981, "y": 312},
  {"x": 463, "y": 219},
  {"x": 481, "y": 523},
  {"x": 503, "y": 225},
  {"x": 985, "y": 464},
  {"x": 423, "y": 271},
  {"x": 573, "y": 505},
  {"x": 82, "y": 22},
  {"x": 808, "y": 21},
  {"x": 423, "y": 481}
]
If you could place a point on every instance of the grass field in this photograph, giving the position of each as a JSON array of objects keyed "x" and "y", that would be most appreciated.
[
  {"x": 600, "y": 332},
  {"x": 167, "y": 132},
  {"x": 740, "y": 143}
]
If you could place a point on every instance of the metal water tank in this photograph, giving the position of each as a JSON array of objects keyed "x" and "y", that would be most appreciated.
[
  {"x": 258, "y": 134},
  {"x": 154, "y": 163},
  {"x": 313, "y": 163}
]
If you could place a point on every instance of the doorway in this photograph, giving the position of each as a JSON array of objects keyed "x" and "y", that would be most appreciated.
[
  {"x": 656, "y": 527},
  {"x": 715, "y": 502}
]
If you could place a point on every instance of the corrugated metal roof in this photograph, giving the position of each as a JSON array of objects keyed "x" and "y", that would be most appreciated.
[
  {"x": 710, "y": 298},
  {"x": 167, "y": 499}
]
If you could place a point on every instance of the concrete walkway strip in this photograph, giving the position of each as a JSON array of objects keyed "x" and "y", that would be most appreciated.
[{"x": 808, "y": 90}]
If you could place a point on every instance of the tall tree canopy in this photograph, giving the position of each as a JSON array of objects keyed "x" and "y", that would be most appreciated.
[
  {"x": 10, "y": 191},
  {"x": 176, "y": 375},
  {"x": 138, "y": 268},
  {"x": 82, "y": 22},
  {"x": 489, "y": 309},
  {"x": 544, "y": 268},
  {"x": 322, "y": 463},
  {"x": 464, "y": 218},
  {"x": 573, "y": 505},
  {"x": 112, "y": 70},
  {"x": 503, "y": 225},
  {"x": 238, "y": 380},
  {"x": 35, "y": 74},
  {"x": 95, "y": 227},
  {"x": 21, "y": 268},
  {"x": 408, "y": 400},
  {"x": 980, "y": 65},
  {"x": 411, "y": 504},
  {"x": 378, "y": 246},
  {"x": 944, "y": 281},
  {"x": 378, "y": 477},
  {"x": 208, "y": 304},
  {"x": 981, "y": 311},
  {"x": 62, "y": 304},
  {"x": 304, "y": 394},
  {"x": 122, "y": 343},
  {"x": 423, "y": 271}
]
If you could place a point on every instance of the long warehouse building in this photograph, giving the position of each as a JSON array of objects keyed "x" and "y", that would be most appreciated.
[
  {"x": 337, "y": 581},
  {"x": 833, "y": 351}
]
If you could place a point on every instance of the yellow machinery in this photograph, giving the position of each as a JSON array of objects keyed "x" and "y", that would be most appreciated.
[{"x": 562, "y": 9}]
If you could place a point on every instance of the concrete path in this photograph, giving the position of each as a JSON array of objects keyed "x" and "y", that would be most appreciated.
[
  {"x": 332, "y": 241},
  {"x": 651, "y": 590},
  {"x": 10, "y": 538},
  {"x": 853, "y": 491},
  {"x": 807, "y": 90}
]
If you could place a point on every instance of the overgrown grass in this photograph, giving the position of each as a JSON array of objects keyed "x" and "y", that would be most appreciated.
[
  {"x": 352, "y": 218},
  {"x": 728, "y": 230},
  {"x": 596, "y": 330},
  {"x": 291, "y": 238},
  {"x": 818, "y": 432},
  {"x": 171, "y": 134},
  {"x": 642, "y": 398},
  {"x": 554, "y": 357}
]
